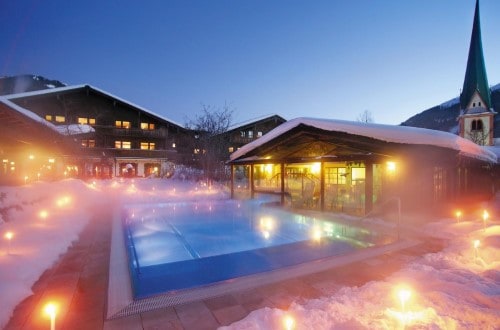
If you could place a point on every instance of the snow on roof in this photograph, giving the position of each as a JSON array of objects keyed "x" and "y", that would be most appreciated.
[
  {"x": 250, "y": 121},
  {"x": 74, "y": 129},
  {"x": 76, "y": 87},
  {"x": 387, "y": 133},
  {"x": 28, "y": 114}
]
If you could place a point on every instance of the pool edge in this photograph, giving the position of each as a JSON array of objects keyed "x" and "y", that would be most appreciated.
[{"x": 120, "y": 301}]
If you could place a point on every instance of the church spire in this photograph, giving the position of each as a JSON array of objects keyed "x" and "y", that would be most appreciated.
[{"x": 475, "y": 75}]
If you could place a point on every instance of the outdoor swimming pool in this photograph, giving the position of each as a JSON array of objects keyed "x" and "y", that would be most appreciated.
[{"x": 176, "y": 246}]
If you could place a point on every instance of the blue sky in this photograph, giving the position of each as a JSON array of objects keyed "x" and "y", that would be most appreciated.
[{"x": 325, "y": 59}]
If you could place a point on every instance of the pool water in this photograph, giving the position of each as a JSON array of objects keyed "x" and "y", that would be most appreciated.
[{"x": 175, "y": 246}]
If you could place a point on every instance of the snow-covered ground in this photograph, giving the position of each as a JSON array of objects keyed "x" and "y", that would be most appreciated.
[{"x": 456, "y": 288}]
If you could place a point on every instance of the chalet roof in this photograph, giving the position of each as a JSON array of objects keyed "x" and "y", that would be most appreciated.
[
  {"x": 255, "y": 120},
  {"x": 357, "y": 137},
  {"x": 475, "y": 74},
  {"x": 36, "y": 130},
  {"x": 97, "y": 90}
]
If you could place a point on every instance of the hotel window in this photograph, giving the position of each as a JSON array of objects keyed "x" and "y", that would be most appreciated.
[
  {"x": 122, "y": 124},
  {"x": 147, "y": 145},
  {"x": 250, "y": 134},
  {"x": 48, "y": 117},
  {"x": 231, "y": 149},
  {"x": 123, "y": 145},
  {"x": 88, "y": 143},
  {"x": 147, "y": 126},
  {"x": 86, "y": 121},
  {"x": 196, "y": 151},
  {"x": 259, "y": 134},
  {"x": 60, "y": 119}
]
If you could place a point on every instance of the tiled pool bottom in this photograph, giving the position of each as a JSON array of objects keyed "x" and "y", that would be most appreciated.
[{"x": 174, "y": 247}]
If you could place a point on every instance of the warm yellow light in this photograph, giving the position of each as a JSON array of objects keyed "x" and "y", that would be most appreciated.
[
  {"x": 52, "y": 160},
  {"x": 316, "y": 168},
  {"x": 486, "y": 215},
  {"x": 269, "y": 168},
  {"x": 391, "y": 166},
  {"x": 458, "y": 214},
  {"x": 43, "y": 214},
  {"x": 316, "y": 234},
  {"x": 50, "y": 310},
  {"x": 404, "y": 295},
  {"x": 31, "y": 157},
  {"x": 477, "y": 243},
  {"x": 288, "y": 322},
  {"x": 8, "y": 235},
  {"x": 5, "y": 161}
]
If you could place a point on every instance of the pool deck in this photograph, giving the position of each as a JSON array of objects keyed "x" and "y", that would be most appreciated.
[{"x": 79, "y": 282}]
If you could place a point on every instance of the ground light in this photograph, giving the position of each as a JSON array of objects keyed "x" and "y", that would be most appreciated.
[
  {"x": 458, "y": 215},
  {"x": 51, "y": 310},
  {"x": 288, "y": 322},
  {"x": 8, "y": 236},
  {"x": 486, "y": 215},
  {"x": 404, "y": 295},
  {"x": 476, "y": 244}
]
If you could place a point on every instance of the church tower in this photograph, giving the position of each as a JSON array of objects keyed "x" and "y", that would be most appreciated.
[{"x": 476, "y": 113}]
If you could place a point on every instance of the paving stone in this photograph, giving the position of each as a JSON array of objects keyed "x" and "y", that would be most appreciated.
[
  {"x": 164, "y": 318},
  {"x": 230, "y": 314},
  {"x": 220, "y": 302},
  {"x": 196, "y": 316},
  {"x": 132, "y": 322}
]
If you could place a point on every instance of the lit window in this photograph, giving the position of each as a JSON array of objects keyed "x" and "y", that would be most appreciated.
[
  {"x": 259, "y": 134},
  {"x": 48, "y": 117},
  {"x": 147, "y": 145},
  {"x": 173, "y": 145},
  {"x": 196, "y": 151},
  {"x": 122, "y": 124},
  {"x": 250, "y": 134},
  {"x": 60, "y": 119},
  {"x": 92, "y": 121},
  {"x": 88, "y": 143},
  {"x": 231, "y": 149},
  {"x": 83, "y": 121},
  {"x": 123, "y": 145},
  {"x": 147, "y": 126}
]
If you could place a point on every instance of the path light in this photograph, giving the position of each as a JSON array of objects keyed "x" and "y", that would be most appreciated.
[
  {"x": 288, "y": 322},
  {"x": 51, "y": 310},
  {"x": 8, "y": 236},
  {"x": 458, "y": 215},
  {"x": 404, "y": 295},
  {"x": 476, "y": 247},
  {"x": 486, "y": 215},
  {"x": 43, "y": 214}
]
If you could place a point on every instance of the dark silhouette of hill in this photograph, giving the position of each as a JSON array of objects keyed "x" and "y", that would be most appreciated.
[{"x": 26, "y": 83}]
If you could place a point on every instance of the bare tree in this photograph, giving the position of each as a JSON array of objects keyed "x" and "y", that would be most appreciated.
[
  {"x": 365, "y": 117},
  {"x": 211, "y": 143},
  {"x": 478, "y": 136}
]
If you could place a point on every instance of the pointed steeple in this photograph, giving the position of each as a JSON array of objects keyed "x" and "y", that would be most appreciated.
[{"x": 475, "y": 75}]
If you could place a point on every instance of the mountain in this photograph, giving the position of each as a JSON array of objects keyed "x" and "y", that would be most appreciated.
[
  {"x": 26, "y": 83},
  {"x": 443, "y": 117}
]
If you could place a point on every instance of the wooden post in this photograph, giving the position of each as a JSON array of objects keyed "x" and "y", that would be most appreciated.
[
  {"x": 322, "y": 186},
  {"x": 252, "y": 186},
  {"x": 232, "y": 181},
  {"x": 282, "y": 174},
  {"x": 368, "y": 186}
]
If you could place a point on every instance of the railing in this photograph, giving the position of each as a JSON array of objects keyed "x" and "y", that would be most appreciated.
[{"x": 132, "y": 132}]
